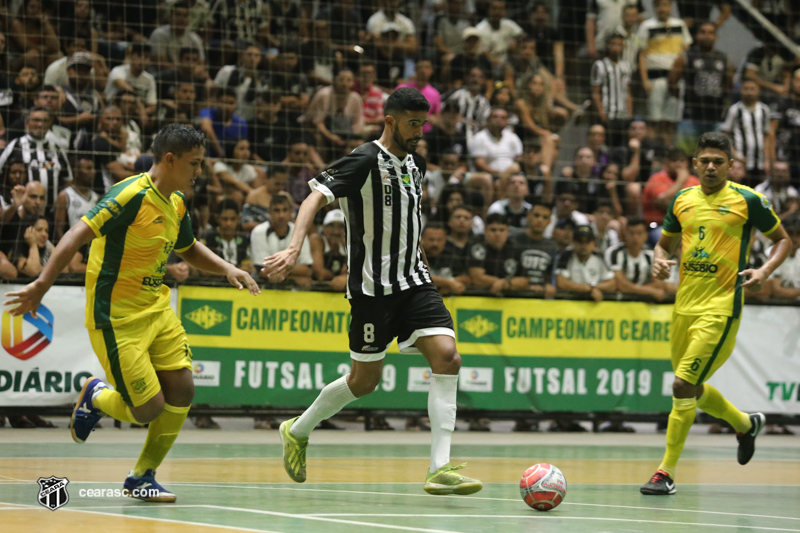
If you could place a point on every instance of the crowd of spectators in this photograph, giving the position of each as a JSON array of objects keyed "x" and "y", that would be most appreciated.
[{"x": 282, "y": 87}]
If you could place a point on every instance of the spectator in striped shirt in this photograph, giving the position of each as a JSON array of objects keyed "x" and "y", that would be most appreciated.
[
  {"x": 632, "y": 263},
  {"x": 747, "y": 123},
  {"x": 611, "y": 79}
]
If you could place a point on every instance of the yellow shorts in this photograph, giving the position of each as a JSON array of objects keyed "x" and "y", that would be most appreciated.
[
  {"x": 701, "y": 344},
  {"x": 133, "y": 352}
]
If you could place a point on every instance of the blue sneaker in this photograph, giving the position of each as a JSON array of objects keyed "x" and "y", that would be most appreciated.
[
  {"x": 147, "y": 489},
  {"x": 85, "y": 416}
]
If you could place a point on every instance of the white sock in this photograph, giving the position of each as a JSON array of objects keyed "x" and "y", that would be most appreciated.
[
  {"x": 330, "y": 401},
  {"x": 442, "y": 413}
]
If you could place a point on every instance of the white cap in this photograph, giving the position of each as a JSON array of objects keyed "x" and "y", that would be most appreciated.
[
  {"x": 390, "y": 26},
  {"x": 471, "y": 31},
  {"x": 335, "y": 215}
]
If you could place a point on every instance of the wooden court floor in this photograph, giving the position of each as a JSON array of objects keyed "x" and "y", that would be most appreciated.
[{"x": 372, "y": 482}]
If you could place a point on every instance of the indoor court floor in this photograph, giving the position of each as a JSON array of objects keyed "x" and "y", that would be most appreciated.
[{"x": 362, "y": 482}]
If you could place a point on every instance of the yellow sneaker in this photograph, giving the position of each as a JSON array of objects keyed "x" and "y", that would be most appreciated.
[
  {"x": 446, "y": 481},
  {"x": 294, "y": 452}
]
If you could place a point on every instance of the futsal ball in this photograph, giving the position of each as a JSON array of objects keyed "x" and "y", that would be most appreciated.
[{"x": 543, "y": 487}]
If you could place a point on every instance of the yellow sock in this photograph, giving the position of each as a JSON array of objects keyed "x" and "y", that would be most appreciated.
[
  {"x": 111, "y": 403},
  {"x": 160, "y": 436},
  {"x": 681, "y": 419},
  {"x": 714, "y": 403}
]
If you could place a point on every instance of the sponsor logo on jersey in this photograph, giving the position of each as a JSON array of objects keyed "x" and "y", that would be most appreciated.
[
  {"x": 700, "y": 253},
  {"x": 724, "y": 210},
  {"x": 139, "y": 385},
  {"x": 406, "y": 179},
  {"x": 693, "y": 266}
]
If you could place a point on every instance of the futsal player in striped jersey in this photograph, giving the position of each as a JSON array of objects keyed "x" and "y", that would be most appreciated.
[
  {"x": 714, "y": 222},
  {"x": 379, "y": 186},
  {"x": 139, "y": 341}
]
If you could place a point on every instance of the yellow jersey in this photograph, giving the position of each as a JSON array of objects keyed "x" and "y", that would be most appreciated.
[
  {"x": 716, "y": 231},
  {"x": 136, "y": 229}
]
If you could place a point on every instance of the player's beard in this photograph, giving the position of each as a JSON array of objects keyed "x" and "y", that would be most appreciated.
[{"x": 403, "y": 143}]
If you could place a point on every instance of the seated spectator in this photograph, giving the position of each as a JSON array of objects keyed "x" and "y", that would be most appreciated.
[
  {"x": 514, "y": 207},
  {"x": 447, "y": 31},
  {"x": 15, "y": 175},
  {"x": 286, "y": 77},
  {"x": 447, "y": 135},
  {"x": 536, "y": 254},
  {"x": 496, "y": 148},
  {"x": 423, "y": 70},
  {"x": 390, "y": 17},
  {"x": 45, "y": 161},
  {"x": 77, "y": 21},
  {"x": 166, "y": 41},
  {"x": 329, "y": 247},
  {"x": 785, "y": 281},
  {"x": 472, "y": 104},
  {"x": 566, "y": 209},
  {"x": 238, "y": 177},
  {"x": 245, "y": 79},
  {"x": 538, "y": 115},
  {"x": 448, "y": 270},
  {"x": 133, "y": 76},
  {"x": 256, "y": 207},
  {"x": 36, "y": 250},
  {"x": 784, "y": 198},
  {"x": 226, "y": 240},
  {"x": 318, "y": 57},
  {"x": 747, "y": 124},
  {"x": 345, "y": 25},
  {"x": 580, "y": 179},
  {"x": 271, "y": 237},
  {"x": 301, "y": 171},
  {"x": 20, "y": 91},
  {"x": 498, "y": 33},
  {"x": 191, "y": 68},
  {"x": 611, "y": 92},
  {"x": 662, "y": 187},
  {"x": 184, "y": 109},
  {"x": 562, "y": 234},
  {"x": 221, "y": 124},
  {"x": 769, "y": 66},
  {"x": 637, "y": 157},
  {"x": 336, "y": 112},
  {"x": 82, "y": 103},
  {"x": 632, "y": 263},
  {"x": 492, "y": 262},
  {"x": 78, "y": 198},
  {"x": 33, "y": 36},
  {"x": 134, "y": 121},
  {"x": 26, "y": 207},
  {"x": 582, "y": 270},
  {"x": 540, "y": 182},
  {"x": 604, "y": 227},
  {"x": 549, "y": 42},
  {"x": 472, "y": 56},
  {"x": 47, "y": 98},
  {"x": 108, "y": 146},
  {"x": 56, "y": 72},
  {"x": 372, "y": 98},
  {"x": 459, "y": 233}
]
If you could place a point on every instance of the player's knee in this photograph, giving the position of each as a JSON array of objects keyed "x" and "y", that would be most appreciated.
[
  {"x": 448, "y": 362},
  {"x": 363, "y": 384},
  {"x": 683, "y": 389},
  {"x": 150, "y": 410}
]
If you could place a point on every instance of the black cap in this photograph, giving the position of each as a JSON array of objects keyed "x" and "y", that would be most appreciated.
[{"x": 583, "y": 233}]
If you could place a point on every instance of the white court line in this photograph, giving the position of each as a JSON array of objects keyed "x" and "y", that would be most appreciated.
[
  {"x": 333, "y": 520},
  {"x": 553, "y": 517},
  {"x": 496, "y": 500},
  {"x": 152, "y": 519}
]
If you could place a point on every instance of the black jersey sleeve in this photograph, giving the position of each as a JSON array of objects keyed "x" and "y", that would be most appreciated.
[{"x": 346, "y": 176}]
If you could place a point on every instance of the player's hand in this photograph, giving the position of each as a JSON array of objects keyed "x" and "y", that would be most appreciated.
[
  {"x": 661, "y": 268},
  {"x": 239, "y": 279},
  {"x": 25, "y": 300},
  {"x": 277, "y": 266},
  {"x": 756, "y": 280}
]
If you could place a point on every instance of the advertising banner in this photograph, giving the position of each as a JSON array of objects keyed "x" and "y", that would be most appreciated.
[{"x": 45, "y": 360}]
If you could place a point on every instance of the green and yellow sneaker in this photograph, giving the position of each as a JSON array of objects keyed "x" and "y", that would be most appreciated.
[
  {"x": 446, "y": 481},
  {"x": 294, "y": 452}
]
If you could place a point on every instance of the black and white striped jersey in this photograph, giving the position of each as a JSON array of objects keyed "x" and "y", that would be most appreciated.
[
  {"x": 380, "y": 196},
  {"x": 636, "y": 269}
]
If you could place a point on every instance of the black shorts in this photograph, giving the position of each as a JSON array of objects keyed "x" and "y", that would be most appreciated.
[{"x": 407, "y": 315}]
